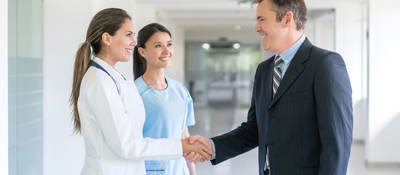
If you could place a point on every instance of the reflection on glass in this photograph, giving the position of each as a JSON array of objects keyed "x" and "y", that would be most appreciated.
[
  {"x": 25, "y": 87},
  {"x": 222, "y": 74}
]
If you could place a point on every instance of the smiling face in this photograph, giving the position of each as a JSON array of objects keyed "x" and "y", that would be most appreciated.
[
  {"x": 122, "y": 43},
  {"x": 272, "y": 32},
  {"x": 158, "y": 50}
]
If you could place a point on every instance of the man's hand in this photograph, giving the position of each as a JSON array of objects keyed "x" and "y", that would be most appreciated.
[
  {"x": 195, "y": 157},
  {"x": 198, "y": 148}
]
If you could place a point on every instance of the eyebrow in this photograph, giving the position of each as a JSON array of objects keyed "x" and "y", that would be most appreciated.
[
  {"x": 158, "y": 42},
  {"x": 259, "y": 17}
]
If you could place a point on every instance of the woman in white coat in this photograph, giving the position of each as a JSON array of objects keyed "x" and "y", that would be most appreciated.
[{"x": 108, "y": 111}]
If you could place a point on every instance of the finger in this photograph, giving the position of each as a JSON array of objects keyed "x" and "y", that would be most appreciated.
[
  {"x": 204, "y": 151},
  {"x": 191, "y": 157},
  {"x": 207, "y": 148},
  {"x": 204, "y": 154},
  {"x": 203, "y": 159},
  {"x": 193, "y": 139},
  {"x": 196, "y": 158}
]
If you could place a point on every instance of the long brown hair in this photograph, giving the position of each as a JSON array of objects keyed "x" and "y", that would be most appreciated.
[
  {"x": 139, "y": 63},
  {"x": 106, "y": 21}
]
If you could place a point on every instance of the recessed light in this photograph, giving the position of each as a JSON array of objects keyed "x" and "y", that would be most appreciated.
[
  {"x": 206, "y": 46},
  {"x": 236, "y": 46}
]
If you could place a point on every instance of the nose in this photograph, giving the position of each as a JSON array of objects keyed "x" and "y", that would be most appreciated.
[
  {"x": 166, "y": 50},
  {"x": 133, "y": 42},
  {"x": 257, "y": 28}
]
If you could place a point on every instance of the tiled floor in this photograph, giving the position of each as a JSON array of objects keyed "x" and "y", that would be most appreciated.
[{"x": 218, "y": 120}]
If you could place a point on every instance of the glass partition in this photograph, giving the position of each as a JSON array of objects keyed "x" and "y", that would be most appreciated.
[{"x": 25, "y": 33}]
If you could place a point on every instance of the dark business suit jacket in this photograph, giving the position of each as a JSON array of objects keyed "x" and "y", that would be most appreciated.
[{"x": 307, "y": 125}]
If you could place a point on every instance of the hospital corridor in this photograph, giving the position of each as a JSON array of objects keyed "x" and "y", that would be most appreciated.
[{"x": 214, "y": 50}]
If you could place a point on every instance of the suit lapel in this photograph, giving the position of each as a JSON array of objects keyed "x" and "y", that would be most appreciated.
[
  {"x": 294, "y": 70},
  {"x": 268, "y": 82}
]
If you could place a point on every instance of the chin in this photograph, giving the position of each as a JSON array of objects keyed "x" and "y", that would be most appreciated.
[
  {"x": 267, "y": 48},
  {"x": 165, "y": 65},
  {"x": 125, "y": 59}
]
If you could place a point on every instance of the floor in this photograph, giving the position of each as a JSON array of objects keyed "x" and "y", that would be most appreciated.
[{"x": 218, "y": 119}]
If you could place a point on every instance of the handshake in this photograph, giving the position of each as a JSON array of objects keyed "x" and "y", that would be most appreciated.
[{"x": 197, "y": 148}]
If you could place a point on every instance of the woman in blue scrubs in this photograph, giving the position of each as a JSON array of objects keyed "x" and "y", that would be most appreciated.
[{"x": 168, "y": 104}]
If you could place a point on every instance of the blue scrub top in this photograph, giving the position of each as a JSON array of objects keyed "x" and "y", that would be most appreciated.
[{"x": 168, "y": 112}]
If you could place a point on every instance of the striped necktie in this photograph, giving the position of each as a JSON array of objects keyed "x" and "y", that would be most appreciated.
[{"x": 277, "y": 74}]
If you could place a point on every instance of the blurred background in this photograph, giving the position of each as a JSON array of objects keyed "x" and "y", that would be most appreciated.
[{"x": 216, "y": 55}]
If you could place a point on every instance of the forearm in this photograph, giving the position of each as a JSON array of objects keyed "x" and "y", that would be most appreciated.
[
  {"x": 192, "y": 168},
  {"x": 236, "y": 142}
]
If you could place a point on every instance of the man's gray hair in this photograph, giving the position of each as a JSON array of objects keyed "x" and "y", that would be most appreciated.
[{"x": 297, "y": 7}]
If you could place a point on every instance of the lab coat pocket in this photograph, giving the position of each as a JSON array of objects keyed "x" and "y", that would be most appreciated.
[{"x": 156, "y": 167}]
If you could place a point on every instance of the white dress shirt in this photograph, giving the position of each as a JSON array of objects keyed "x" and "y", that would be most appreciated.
[{"x": 112, "y": 123}]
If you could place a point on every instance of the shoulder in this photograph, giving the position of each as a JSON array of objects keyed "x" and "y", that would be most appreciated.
[
  {"x": 178, "y": 86},
  {"x": 175, "y": 84},
  {"x": 96, "y": 81},
  {"x": 94, "y": 77},
  {"x": 325, "y": 57},
  {"x": 141, "y": 85}
]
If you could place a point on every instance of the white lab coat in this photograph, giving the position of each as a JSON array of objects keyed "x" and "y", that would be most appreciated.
[{"x": 112, "y": 126}]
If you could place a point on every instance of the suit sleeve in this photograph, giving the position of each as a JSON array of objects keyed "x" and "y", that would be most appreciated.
[
  {"x": 334, "y": 114},
  {"x": 241, "y": 139},
  {"x": 117, "y": 127}
]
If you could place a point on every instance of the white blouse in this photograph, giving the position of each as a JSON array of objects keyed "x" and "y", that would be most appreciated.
[{"x": 112, "y": 117}]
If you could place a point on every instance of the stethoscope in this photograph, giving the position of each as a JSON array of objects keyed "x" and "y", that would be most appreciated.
[{"x": 98, "y": 66}]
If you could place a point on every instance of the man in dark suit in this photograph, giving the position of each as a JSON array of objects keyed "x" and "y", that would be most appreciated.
[{"x": 301, "y": 109}]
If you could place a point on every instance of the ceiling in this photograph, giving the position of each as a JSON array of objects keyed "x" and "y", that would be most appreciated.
[{"x": 208, "y": 19}]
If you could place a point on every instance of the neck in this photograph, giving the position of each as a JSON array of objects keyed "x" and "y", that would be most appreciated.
[
  {"x": 155, "y": 78},
  {"x": 106, "y": 58},
  {"x": 292, "y": 38}
]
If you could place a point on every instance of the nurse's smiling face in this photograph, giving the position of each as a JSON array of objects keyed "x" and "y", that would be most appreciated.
[{"x": 158, "y": 50}]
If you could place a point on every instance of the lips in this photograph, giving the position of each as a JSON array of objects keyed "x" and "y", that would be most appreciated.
[
  {"x": 164, "y": 59},
  {"x": 263, "y": 34},
  {"x": 129, "y": 50}
]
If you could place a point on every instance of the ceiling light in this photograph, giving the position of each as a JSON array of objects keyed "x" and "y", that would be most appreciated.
[
  {"x": 206, "y": 46},
  {"x": 236, "y": 46}
]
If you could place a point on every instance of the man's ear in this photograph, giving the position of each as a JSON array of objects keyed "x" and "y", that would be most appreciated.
[
  {"x": 141, "y": 51},
  {"x": 288, "y": 18},
  {"x": 106, "y": 38}
]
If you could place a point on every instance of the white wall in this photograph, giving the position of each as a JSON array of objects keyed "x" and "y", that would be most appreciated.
[
  {"x": 177, "y": 68},
  {"x": 350, "y": 41},
  {"x": 384, "y": 111},
  {"x": 65, "y": 24},
  {"x": 141, "y": 16},
  {"x": 3, "y": 87}
]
